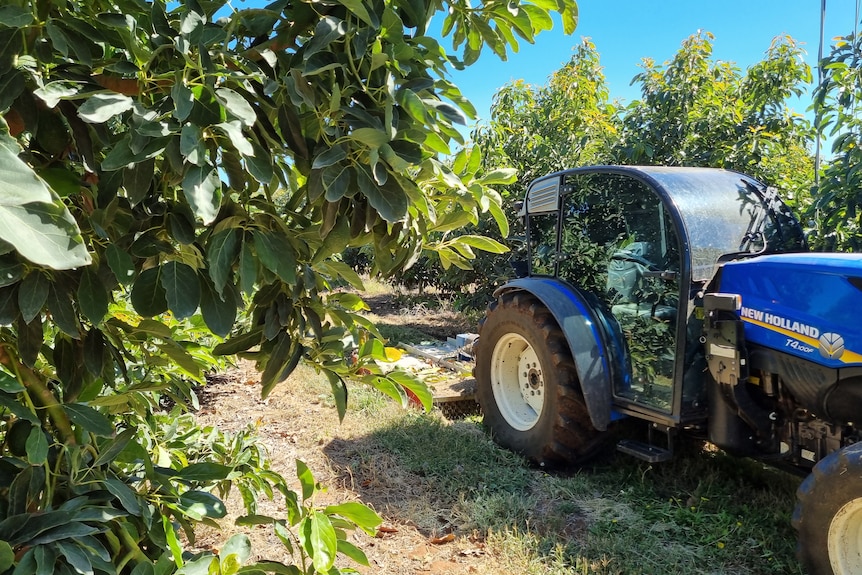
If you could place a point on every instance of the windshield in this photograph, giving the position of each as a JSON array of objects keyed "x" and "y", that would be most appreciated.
[{"x": 725, "y": 213}]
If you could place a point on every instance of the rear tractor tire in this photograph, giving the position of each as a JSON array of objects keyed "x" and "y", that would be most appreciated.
[
  {"x": 828, "y": 515},
  {"x": 527, "y": 384}
]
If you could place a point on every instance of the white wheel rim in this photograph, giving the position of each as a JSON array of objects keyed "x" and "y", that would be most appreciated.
[
  {"x": 517, "y": 381},
  {"x": 845, "y": 539}
]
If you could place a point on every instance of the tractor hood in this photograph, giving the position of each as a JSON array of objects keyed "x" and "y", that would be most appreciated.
[{"x": 801, "y": 304}]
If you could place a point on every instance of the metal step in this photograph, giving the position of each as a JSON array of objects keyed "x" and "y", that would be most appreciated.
[{"x": 644, "y": 451}]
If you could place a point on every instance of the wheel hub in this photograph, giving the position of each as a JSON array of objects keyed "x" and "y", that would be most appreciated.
[
  {"x": 517, "y": 381},
  {"x": 845, "y": 539}
]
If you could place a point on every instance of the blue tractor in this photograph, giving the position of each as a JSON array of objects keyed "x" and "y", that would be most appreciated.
[{"x": 686, "y": 298}]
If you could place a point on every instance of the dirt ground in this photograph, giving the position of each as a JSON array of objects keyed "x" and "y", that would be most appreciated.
[{"x": 298, "y": 421}]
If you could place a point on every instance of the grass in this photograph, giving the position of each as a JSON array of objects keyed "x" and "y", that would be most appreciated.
[{"x": 703, "y": 513}]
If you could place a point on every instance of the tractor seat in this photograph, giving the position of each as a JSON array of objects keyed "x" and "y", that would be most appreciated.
[{"x": 626, "y": 284}]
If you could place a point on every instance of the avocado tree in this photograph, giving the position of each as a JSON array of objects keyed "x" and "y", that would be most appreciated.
[
  {"x": 836, "y": 209},
  {"x": 696, "y": 111},
  {"x": 177, "y": 181}
]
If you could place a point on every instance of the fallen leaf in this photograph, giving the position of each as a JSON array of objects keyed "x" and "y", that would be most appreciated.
[
  {"x": 448, "y": 538},
  {"x": 384, "y": 529}
]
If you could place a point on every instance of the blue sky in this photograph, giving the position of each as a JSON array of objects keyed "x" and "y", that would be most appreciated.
[{"x": 625, "y": 31}]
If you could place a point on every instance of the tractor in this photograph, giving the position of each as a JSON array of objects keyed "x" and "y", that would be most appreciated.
[{"x": 686, "y": 298}]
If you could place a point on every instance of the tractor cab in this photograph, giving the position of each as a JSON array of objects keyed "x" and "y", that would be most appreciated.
[{"x": 640, "y": 245}]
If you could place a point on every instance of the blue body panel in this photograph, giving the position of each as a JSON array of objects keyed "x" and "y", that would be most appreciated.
[{"x": 807, "y": 304}]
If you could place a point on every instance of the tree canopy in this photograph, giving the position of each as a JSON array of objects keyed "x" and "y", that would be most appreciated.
[
  {"x": 172, "y": 174},
  {"x": 692, "y": 111}
]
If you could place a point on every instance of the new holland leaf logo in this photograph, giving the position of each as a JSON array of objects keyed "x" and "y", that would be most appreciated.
[{"x": 831, "y": 346}]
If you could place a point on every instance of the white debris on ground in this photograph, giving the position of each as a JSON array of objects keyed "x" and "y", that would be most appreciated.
[{"x": 445, "y": 367}]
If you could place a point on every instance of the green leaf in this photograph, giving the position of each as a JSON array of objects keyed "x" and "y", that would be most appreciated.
[
  {"x": 203, "y": 472},
  {"x": 89, "y": 419},
  {"x": 336, "y": 181},
  {"x": 62, "y": 312},
  {"x": 344, "y": 271},
  {"x": 247, "y": 268},
  {"x": 412, "y": 103},
  {"x": 124, "y": 494},
  {"x": 94, "y": 352},
  {"x": 99, "y": 108},
  {"x": 7, "y": 556},
  {"x": 417, "y": 386},
  {"x": 279, "y": 359},
  {"x": 46, "y": 560},
  {"x": 238, "y": 545},
  {"x": 182, "y": 288},
  {"x": 330, "y": 156},
  {"x": 109, "y": 451},
  {"x": 236, "y": 137},
  {"x": 363, "y": 516},
  {"x": 27, "y": 564},
  {"x": 138, "y": 179},
  {"x": 306, "y": 480},
  {"x": 148, "y": 295},
  {"x": 236, "y": 106},
  {"x": 14, "y": 17},
  {"x": 371, "y": 137},
  {"x": 183, "y": 359},
  {"x": 93, "y": 297},
  {"x": 9, "y": 384},
  {"x": 482, "y": 243},
  {"x": 276, "y": 254},
  {"x": 206, "y": 565},
  {"x": 320, "y": 540},
  {"x": 37, "y": 446},
  {"x": 76, "y": 557},
  {"x": 154, "y": 328},
  {"x": 200, "y": 504},
  {"x": 350, "y": 550},
  {"x": 259, "y": 164},
  {"x": 120, "y": 263},
  {"x": 359, "y": 8},
  {"x": 389, "y": 200},
  {"x": 10, "y": 271},
  {"x": 239, "y": 343},
  {"x": 62, "y": 181},
  {"x": 36, "y": 223},
  {"x": 500, "y": 176},
  {"x": 222, "y": 250},
  {"x": 219, "y": 313},
  {"x": 52, "y": 92},
  {"x": 202, "y": 189},
  {"x": 30, "y": 338},
  {"x": 183, "y": 99},
  {"x": 45, "y": 234},
  {"x": 339, "y": 393},
  {"x": 172, "y": 540},
  {"x": 32, "y": 295}
]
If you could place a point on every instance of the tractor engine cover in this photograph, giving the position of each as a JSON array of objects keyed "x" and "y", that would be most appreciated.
[{"x": 803, "y": 307}]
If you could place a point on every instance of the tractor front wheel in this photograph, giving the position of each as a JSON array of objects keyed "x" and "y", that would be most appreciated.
[
  {"x": 527, "y": 384},
  {"x": 828, "y": 514}
]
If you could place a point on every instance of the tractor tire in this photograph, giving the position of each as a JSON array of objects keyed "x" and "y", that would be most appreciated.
[
  {"x": 828, "y": 515},
  {"x": 527, "y": 385}
]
